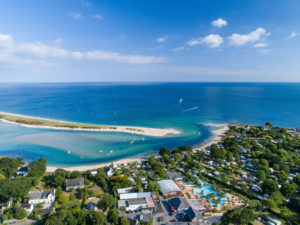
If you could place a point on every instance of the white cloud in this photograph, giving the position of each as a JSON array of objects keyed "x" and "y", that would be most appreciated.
[
  {"x": 24, "y": 52},
  {"x": 264, "y": 51},
  {"x": 75, "y": 15},
  {"x": 219, "y": 23},
  {"x": 58, "y": 42},
  {"x": 178, "y": 49},
  {"x": 260, "y": 45},
  {"x": 162, "y": 39},
  {"x": 292, "y": 35},
  {"x": 242, "y": 39},
  {"x": 98, "y": 16},
  {"x": 115, "y": 56},
  {"x": 212, "y": 41}
]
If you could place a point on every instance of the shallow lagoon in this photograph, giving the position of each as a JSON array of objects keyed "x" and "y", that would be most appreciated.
[{"x": 184, "y": 106}]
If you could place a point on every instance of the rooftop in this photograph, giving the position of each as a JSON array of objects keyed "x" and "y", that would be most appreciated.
[{"x": 168, "y": 186}]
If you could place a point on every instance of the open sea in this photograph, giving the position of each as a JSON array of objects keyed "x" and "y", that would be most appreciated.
[{"x": 188, "y": 107}]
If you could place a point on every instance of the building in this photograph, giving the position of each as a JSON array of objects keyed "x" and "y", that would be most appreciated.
[
  {"x": 145, "y": 205},
  {"x": 135, "y": 195},
  {"x": 45, "y": 211},
  {"x": 169, "y": 187},
  {"x": 178, "y": 205},
  {"x": 109, "y": 172},
  {"x": 74, "y": 183},
  {"x": 22, "y": 171},
  {"x": 36, "y": 197},
  {"x": 91, "y": 206},
  {"x": 175, "y": 176},
  {"x": 28, "y": 208},
  {"x": 124, "y": 190},
  {"x": 92, "y": 203},
  {"x": 194, "y": 215},
  {"x": 196, "y": 205}
]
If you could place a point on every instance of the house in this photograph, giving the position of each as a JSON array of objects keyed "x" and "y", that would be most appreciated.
[
  {"x": 36, "y": 197},
  {"x": 124, "y": 190},
  {"x": 146, "y": 217},
  {"x": 92, "y": 203},
  {"x": 91, "y": 206},
  {"x": 175, "y": 176},
  {"x": 179, "y": 205},
  {"x": 135, "y": 195},
  {"x": 109, "y": 172},
  {"x": 169, "y": 187},
  {"x": 74, "y": 183},
  {"x": 45, "y": 211},
  {"x": 137, "y": 204},
  {"x": 94, "y": 172},
  {"x": 196, "y": 205},
  {"x": 28, "y": 208},
  {"x": 22, "y": 171}
]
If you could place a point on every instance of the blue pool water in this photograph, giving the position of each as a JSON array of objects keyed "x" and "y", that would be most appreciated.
[
  {"x": 184, "y": 106},
  {"x": 205, "y": 190}
]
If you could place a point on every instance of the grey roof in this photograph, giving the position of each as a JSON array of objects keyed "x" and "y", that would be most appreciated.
[
  {"x": 191, "y": 213},
  {"x": 196, "y": 204},
  {"x": 136, "y": 195},
  {"x": 40, "y": 194},
  {"x": 175, "y": 176},
  {"x": 179, "y": 203},
  {"x": 75, "y": 182},
  {"x": 137, "y": 201},
  {"x": 45, "y": 211},
  {"x": 124, "y": 190},
  {"x": 146, "y": 217},
  {"x": 26, "y": 205},
  {"x": 91, "y": 206},
  {"x": 168, "y": 186}
]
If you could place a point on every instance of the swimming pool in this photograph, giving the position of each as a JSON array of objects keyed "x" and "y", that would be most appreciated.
[{"x": 205, "y": 190}]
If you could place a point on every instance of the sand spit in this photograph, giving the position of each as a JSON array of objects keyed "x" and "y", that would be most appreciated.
[{"x": 42, "y": 123}]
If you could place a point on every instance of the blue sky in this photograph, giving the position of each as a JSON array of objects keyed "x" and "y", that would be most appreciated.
[{"x": 139, "y": 40}]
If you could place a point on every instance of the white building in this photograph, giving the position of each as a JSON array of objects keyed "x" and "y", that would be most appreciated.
[
  {"x": 36, "y": 197},
  {"x": 28, "y": 208},
  {"x": 109, "y": 172}
]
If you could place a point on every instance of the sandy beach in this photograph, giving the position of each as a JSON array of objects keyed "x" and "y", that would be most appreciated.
[
  {"x": 146, "y": 131},
  {"x": 93, "y": 167},
  {"x": 217, "y": 136},
  {"x": 218, "y": 133}
]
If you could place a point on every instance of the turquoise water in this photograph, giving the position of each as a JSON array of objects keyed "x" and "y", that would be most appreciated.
[
  {"x": 184, "y": 106},
  {"x": 206, "y": 189}
]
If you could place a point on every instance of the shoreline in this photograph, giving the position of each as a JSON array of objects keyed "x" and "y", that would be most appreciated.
[
  {"x": 217, "y": 136},
  {"x": 42, "y": 123}
]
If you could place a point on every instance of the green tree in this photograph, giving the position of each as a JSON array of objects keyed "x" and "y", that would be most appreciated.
[
  {"x": 153, "y": 186},
  {"x": 285, "y": 213},
  {"x": 124, "y": 221},
  {"x": 152, "y": 161},
  {"x": 37, "y": 168},
  {"x": 98, "y": 218},
  {"x": 164, "y": 150},
  {"x": 106, "y": 202},
  {"x": 74, "y": 175},
  {"x": 113, "y": 215},
  {"x": 269, "y": 186},
  {"x": 177, "y": 157},
  {"x": 261, "y": 175},
  {"x": 277, "y": 198},
  {"x": 282, "y": 176},
  {"x": 288, "y": 189}
]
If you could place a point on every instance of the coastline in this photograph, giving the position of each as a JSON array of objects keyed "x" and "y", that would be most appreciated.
[
  {"x": 42, "y": 123},
  {"x": 217, "y": 136}
]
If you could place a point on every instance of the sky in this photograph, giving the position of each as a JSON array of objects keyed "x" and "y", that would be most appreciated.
[{"x": 149, "y": 41}]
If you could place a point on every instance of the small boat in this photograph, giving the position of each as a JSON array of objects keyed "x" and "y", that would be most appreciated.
[{"x": 69, "y": 152}]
